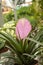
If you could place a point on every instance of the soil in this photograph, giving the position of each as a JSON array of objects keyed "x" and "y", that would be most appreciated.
[{"x": 4, "y": 49}]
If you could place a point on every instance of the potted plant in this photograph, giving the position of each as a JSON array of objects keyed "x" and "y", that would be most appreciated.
[{"x": 24, "y": 48}]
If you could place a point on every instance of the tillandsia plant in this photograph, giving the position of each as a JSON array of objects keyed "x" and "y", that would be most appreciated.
[
  {"x": 25, "y": 49},
  {"x": 23, "y": 28}
]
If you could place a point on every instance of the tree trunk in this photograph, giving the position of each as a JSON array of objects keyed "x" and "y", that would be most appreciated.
[
  {"x": 15, "y": 13},
  {"x": 1, "y": 18}
]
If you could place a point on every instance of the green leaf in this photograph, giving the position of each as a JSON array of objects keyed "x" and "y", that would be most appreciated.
[
  {"x": 2, "y": 44},
  {"x": 12, "y": 41}
]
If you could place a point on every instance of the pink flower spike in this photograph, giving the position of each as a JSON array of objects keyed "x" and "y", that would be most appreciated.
[{"x": 23, "y": 28}]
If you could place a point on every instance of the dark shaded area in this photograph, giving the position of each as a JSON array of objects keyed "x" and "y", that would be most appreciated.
[
  {"x": 33, "y": 62},
  {"x": 4, "y": 49}
]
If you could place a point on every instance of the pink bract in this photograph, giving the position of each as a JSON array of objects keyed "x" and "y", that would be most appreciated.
[{"x": 23, "y": 28}]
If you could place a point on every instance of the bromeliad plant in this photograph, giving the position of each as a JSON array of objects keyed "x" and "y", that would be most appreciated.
[{"x": 25, "y": 49}]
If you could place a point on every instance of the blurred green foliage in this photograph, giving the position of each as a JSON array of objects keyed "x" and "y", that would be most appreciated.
[
  {"x": 28, "y": 12},
  {"x": 34, "y": 13},
  {"x": 38, "y": 7},
  {"x": 8, "y": 16},
  {"x": 23, "y": 12}
]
